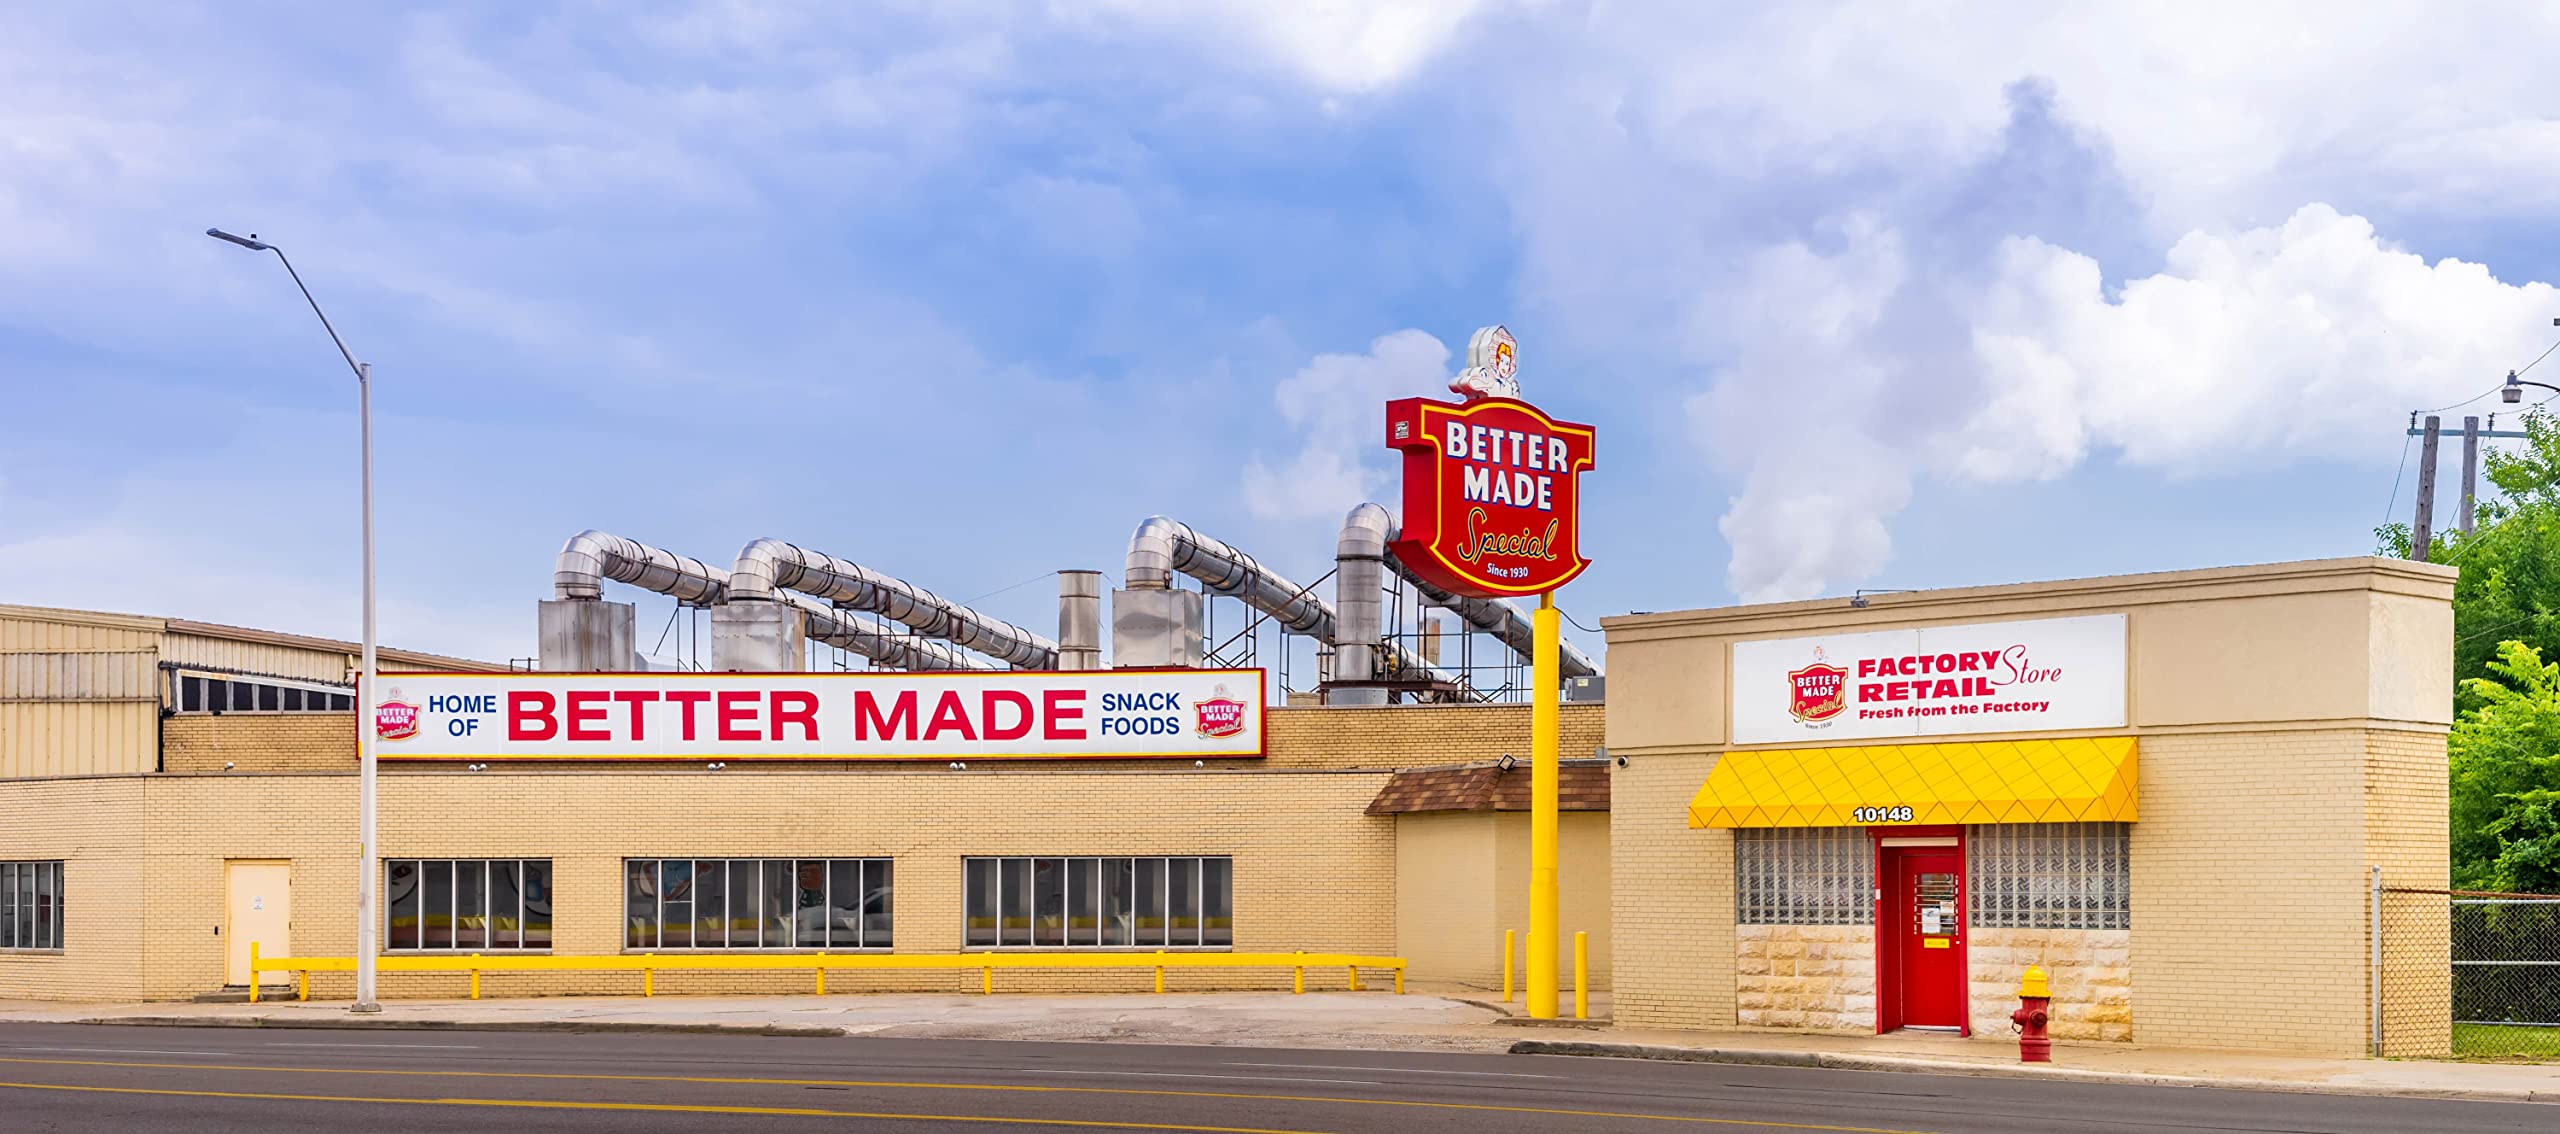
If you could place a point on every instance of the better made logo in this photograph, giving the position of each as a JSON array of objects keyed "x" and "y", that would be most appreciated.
[{"x": 395, "y": 718}]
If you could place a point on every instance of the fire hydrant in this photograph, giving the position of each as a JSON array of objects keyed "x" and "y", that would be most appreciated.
[{"x": 2035, "y": 1003}]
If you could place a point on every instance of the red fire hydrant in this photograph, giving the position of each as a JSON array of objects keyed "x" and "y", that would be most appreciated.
[{"x": 2035, "y": 1003}]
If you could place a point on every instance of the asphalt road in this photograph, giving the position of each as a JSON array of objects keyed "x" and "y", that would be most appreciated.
[{"x": 78, "y": 1078}]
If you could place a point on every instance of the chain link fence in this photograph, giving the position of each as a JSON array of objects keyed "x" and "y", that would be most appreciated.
[{"x": 2466, "y": 974}]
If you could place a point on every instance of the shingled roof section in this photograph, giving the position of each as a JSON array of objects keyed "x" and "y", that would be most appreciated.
[{"x": 1581, "y": 785}]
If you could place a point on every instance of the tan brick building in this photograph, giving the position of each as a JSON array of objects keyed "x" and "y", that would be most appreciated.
[
  {"x": 2168, "y": 790},
  {"x": 169, "y": 818}
]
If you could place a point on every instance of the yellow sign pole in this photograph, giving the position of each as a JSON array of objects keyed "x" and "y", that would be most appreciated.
[{"x": 1546, "y": 688}]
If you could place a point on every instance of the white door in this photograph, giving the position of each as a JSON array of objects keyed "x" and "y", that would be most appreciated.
[{"x": 261, "y": 911}]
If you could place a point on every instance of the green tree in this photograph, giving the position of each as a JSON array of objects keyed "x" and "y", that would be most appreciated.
[
  {"x": 2506, "y": 776},
  {"x": 2510, "y": 584}
]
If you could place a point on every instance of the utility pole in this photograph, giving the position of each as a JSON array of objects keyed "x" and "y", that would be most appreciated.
[
  {"x": 2424, "y": 530},
  {"x": 2470, "y": 471}
]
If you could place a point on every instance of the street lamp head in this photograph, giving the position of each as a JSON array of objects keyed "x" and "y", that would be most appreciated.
[
  {"x": 2513, "y": 391},
  {"x": 250, "y": 242}
]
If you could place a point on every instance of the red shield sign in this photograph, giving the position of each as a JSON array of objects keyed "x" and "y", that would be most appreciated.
[
  {"x": 1492, "y": 495},
  {"x": 395, "y": 720},
  {"x": 1219, "y": 716},
  {"x": 1817, "y": 692}
]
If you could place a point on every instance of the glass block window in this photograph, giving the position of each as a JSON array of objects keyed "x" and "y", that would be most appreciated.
[
  {"x": 1804, "y": 876},
  {"x": 2051, "y": 875}
]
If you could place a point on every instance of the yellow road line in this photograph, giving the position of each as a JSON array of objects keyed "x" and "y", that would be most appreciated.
[
  {"x": 997, "y": 1087},
  {"x": 666, "y": 1108}
]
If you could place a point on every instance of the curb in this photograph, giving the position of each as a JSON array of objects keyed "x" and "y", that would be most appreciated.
[
  {"x": 1846, "y": 1062},
  {"x": 324, "y": 1023}
]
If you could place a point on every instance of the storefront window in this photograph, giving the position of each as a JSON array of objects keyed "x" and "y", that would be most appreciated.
[
  {"x": 30, "y": 905},
  {"x": 1803, "y": 876},
  {"x": 1147, "y": 903},
  {"x": 752, "y": 903},
  {"x": 2051, "y": 875},
  {"x": 467, "y": 904}
]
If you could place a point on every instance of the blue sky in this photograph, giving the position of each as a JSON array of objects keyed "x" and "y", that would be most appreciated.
[{"x": 1864, "y": 295}]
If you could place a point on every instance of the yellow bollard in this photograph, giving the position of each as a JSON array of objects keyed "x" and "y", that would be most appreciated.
[
  {"x": 822, "y": 980},
  {"x": 1159, "y": 971},
  {"x": 1355, "y": 978},
  {"x": 305, "y": 993},
  {"x": 475, "y": 979},
  {"x": 1300, "y": 986},
  {"x": 1581, "y": 975},
  {"x": 1399, "y": 980},
  {"x": 987, "y": 981},
  {"x": 648, "y": 975},
  {"x": 253, "y": 972},
  {"x": 1510, "y": 943}
]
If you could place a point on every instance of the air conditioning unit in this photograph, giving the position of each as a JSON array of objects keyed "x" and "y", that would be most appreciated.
[{"x": 1590, "y": 689}]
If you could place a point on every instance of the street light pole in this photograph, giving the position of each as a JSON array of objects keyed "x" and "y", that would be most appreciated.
[{"x": 370, "y": 882}]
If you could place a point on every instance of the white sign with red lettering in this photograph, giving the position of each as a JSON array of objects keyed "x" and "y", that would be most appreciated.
[
  {"x": 1184, "y": 714},
  {"x": 2044, "y": 675}
]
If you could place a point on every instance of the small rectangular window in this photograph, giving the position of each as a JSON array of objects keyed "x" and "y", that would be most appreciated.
[
  {"x": 467, "y": 904},
  {"x": 217, "y": 696},
  {"x": 2051, "y": 875},
  {"x": 293, "y": 700},
  {"x": 31, "y": 897},
  {"x": 1046, "y": 903},
  {"x": 748, "y": 903},
  {"x": 269, "y": 697},
  {"x": 190, "y": 694},
  {"x": 1804, "y": 876}
]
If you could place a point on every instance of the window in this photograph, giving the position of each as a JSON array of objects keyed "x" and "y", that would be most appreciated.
[
  {"x": 1127, "y": 903},
  {"x": 30, "y": 905},
  {"x": 467, "y": 904},
  {"x": 756, "y": 903},
  {"x": 247, "y": 695},
  {"x": 1803, "y": 876},
  {"x": 2051, "y": 875}
]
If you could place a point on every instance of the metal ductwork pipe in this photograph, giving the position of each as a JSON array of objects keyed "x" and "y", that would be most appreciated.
[
  {"x": 862, "y": 636},
  {"x": 591, "y": 557},
  {"x": 1162, "y": 546},
  {"x": 1361, "y": 559},
  {"x": 768, "y": 566}
]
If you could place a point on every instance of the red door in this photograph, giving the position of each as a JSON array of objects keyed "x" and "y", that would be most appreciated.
[{"x": 1922, "y": 936}]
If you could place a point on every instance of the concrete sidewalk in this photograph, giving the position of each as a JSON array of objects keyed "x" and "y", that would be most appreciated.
[{"x": 1434, "y": 1018}]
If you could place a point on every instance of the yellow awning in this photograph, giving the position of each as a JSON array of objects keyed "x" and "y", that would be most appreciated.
[{"x": 2083, "y": 780}]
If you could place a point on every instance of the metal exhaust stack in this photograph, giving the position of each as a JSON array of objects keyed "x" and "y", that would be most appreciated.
[
  {"x": 1361, "y": 560},
  {"x": 1153, "y": 624},
  {"x": 768, "y": 566},
  {"x": 1080, "y": 620}
]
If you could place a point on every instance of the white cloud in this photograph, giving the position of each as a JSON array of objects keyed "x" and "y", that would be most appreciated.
[
  {"x": 1336, "y": 403},
  {"x": 1349, "y": 46},
  {"x": 2247, "y": 350}
]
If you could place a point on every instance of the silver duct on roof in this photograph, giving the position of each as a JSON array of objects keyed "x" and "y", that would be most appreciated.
[
  {"x": 769, "y": 566},
  {"x": 845, "y": 630},
  {"x": 591, "y": 557},
  {"x": 1361, "y": 559},
  {"x": 1163, "y": 546}
]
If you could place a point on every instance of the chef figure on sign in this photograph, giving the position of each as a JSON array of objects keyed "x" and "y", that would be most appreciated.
[{"x": 1493, "y": 362}]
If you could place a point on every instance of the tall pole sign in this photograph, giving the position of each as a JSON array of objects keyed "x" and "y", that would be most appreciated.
[{"x": 1492, "y": 509}]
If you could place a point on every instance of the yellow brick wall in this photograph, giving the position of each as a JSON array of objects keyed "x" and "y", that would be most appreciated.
[
  {"x": 2248, "y": 877},
  {"x": 2405, "y": 790},
  {"x": 94, "y": 826},
  {"x": 1672, "y": 933},
  {"x": 1312, "y": 871},
  {"x": 257, "y": 742}
]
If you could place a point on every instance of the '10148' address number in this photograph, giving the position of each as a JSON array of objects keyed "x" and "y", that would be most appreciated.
[{"x": 1880, "y": 815}]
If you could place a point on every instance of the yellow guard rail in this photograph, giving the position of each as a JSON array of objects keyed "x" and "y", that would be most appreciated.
[{"x": 649, "y": 965}]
